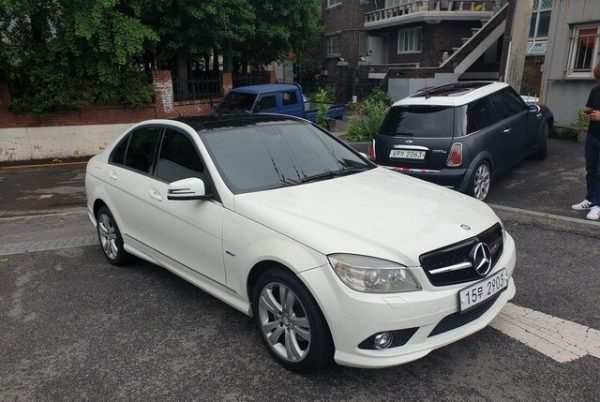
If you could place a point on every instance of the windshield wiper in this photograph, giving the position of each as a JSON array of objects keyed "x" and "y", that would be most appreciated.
[{"x": 331, "y": 174}]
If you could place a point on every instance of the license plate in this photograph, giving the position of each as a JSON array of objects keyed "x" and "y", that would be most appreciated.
[
  {"x": 481, "y": 291},
  {"x": 406, "y": 154}
]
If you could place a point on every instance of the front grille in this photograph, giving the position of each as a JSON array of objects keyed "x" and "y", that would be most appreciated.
[
  {"x": 459, "y": 253},
  {"x": 459, "y": 319}
]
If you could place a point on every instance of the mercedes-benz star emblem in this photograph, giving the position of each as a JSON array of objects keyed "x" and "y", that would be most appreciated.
[{"x": 481, "y": 258}]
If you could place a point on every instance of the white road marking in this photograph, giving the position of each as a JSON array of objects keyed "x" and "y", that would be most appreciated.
[
  {"x": 559, "y": 339},
  {"x": 544, "y": 215}
]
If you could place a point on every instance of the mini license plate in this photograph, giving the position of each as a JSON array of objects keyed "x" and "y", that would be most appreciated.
[
  {"x": 407, "y": 154},
  {"x": 481, "y": 291}
]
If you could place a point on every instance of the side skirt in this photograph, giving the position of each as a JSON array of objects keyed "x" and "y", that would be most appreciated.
[{"x": 203, "y": 282}]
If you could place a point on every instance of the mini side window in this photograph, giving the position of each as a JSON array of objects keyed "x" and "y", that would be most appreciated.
[
  {"x": 142, "y": 145},
  {"x": 289, "y": 98},
  {"x": 178, "y": 158},
  {"x": 479, "y": 115},
  {"x": 506, "y": 103},
  {"x": 118, "y": 154}
]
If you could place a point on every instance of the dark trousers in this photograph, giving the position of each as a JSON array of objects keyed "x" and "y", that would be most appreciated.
[{"x": 592, "y": 167}]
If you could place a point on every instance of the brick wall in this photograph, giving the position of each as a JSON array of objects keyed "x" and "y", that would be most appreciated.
[
  {"x": 163, "y": 107},
  {"x": 437, "y": 39},
  {"x": 346, "y": 20}
]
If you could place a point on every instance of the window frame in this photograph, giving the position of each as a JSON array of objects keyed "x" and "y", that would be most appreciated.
[
  {"x": 504, "y": 92},
  {"x": 329, "y": 47},
  {"x": 159, "y": 150},
  {"x": 333, "y": 3},
  {"x": 263, "y": 96},
  {"x": 574, "y": 40},
  {"x": 418, "y": 38}
]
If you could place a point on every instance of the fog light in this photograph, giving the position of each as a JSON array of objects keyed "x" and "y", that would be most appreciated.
[{"x": 383, "y": 340}]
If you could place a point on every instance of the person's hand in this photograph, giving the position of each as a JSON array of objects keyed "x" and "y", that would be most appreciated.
[{"x": 594, "y": 115}]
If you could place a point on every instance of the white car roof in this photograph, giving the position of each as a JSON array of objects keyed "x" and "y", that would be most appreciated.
[{"x": 453, "y": 94}]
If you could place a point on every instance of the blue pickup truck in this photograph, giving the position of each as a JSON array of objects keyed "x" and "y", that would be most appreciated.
[{"x": 275, "y": 98}]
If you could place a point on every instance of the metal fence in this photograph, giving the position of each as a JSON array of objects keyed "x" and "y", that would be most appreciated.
[
  {"x": 256, "y": 78},
  {"x": 197, "y": 88}
]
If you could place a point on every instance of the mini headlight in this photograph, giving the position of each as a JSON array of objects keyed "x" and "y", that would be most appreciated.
[{"x": 373, "y": 275}]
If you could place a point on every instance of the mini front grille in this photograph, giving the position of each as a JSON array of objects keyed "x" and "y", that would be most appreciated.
[
  {"x": 459, "y": 253},
  {"x": 456, "y": 320}
]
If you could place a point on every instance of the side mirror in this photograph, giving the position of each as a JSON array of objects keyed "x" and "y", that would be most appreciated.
[
  {"x": 534, "y": 108},
  {"x": 191, "y": 188}
]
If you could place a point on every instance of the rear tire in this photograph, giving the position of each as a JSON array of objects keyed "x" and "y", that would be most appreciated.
[
  {"x": 481, "y": 181},
  {"x": 542, "y": 147},
  {"x": 290, "y": 322},
  {"x": 110, "y": 238}
]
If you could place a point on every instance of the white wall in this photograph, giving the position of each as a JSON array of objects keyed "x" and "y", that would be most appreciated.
[
  {"x": 399, "y": 88},
  {"x": 31, "y": 143}
]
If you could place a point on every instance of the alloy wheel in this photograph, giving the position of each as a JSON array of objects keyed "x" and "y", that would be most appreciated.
[
  {"x": 284, "y": 322},
  {"x": 482, "y": 179},
  {"x": 108, "y": 236}
]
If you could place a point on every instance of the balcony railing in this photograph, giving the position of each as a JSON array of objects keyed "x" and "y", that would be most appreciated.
[{"x": 416, "y": 6}]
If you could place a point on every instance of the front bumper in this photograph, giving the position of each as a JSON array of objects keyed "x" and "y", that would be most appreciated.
[{"x": 354, "y": 316}]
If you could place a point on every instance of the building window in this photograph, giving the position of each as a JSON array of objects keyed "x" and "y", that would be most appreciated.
[
  {"x": 363, "y": 44},
  {"x": 410, "y": 40},
  {"x": 584, "y": 48},
  {"x": 333, "y": 45},
  {"x": 333, "y": 3}
]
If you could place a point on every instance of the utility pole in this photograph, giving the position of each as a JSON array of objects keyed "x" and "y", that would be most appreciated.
[{"x": 521, "y": 21}]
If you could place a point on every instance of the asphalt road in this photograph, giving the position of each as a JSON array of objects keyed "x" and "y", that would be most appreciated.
[{"x": 75, "y": 328}]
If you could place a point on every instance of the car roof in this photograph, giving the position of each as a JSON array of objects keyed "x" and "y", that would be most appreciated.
[
  {"x": 210, "y": 123},
  {"x": 264, "y": 88},
  {"x": 457, "y": 94}
]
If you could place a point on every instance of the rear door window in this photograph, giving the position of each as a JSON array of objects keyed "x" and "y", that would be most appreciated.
[
  {"x": 118, "y": 154},
  {"x": 140, "y": 152},
  {"x": 419, "y": 121},
  {"x": 178, "y": 158}
]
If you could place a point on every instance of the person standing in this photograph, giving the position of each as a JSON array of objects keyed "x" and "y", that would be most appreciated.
[{"x": 592, "y": 154}]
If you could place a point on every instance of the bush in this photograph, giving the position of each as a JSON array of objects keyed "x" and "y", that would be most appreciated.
[
  {"x": 322, "y": 97},
  {"x": 373, "y": 111}
]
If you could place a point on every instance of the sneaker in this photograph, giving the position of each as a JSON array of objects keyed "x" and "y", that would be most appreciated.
[
  {"x": 594, "y": 214},
  {"x": 582, "y": 206}
]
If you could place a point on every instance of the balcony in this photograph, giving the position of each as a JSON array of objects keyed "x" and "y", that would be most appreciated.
[{"x": 431, "y": 11}]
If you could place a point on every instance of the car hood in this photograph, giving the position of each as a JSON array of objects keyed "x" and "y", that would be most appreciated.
[{"x": 379, "y": 213}]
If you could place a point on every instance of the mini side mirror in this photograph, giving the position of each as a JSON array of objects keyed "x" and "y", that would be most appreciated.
[
  {"x": 191, "y": 188},
  {"x": 534, "y": 108}
]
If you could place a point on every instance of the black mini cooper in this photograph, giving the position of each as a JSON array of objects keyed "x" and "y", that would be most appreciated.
[{"x": 462, "y": 135}]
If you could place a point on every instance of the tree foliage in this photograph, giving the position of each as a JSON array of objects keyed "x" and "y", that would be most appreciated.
[{"x": 64, "y": 54}]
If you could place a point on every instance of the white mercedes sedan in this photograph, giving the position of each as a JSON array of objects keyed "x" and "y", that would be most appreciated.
[{"x": 334, "y": 257}]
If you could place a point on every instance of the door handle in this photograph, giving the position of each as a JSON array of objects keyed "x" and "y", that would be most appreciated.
[
  {"x": 507, "y": 130},
  {"x": 156, "y": 195},
  {"x": 112, "y": 175}
]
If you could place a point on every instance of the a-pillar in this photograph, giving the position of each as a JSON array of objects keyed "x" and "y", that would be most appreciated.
[{"x": 163, "y": 93}]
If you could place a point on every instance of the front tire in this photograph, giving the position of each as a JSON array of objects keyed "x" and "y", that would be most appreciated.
[
  {"x": 542, "y": 147},
  {"x": 110, "y": 238},
  {"x": 290, "y": 322},
  {"x": 481, "y": 181}
]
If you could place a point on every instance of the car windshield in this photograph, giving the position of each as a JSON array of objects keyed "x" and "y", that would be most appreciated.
[
  {"x": 419, "y": 121},
  {"x": 267, "y": 156},
  {"x": 236, "y": 102}
]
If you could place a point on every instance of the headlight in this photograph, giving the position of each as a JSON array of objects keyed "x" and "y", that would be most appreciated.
[{"x": 372, "y": 275}]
